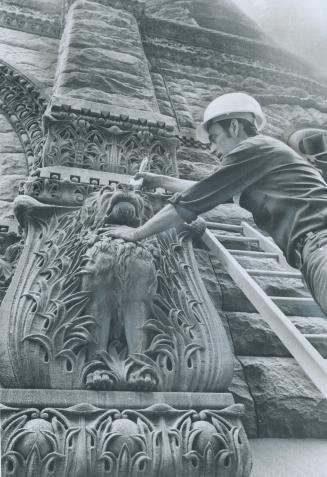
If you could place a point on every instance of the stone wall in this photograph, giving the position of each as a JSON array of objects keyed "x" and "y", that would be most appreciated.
[
  {"x": 31, "y": 54},
  {"x": 13, "y": 167}
]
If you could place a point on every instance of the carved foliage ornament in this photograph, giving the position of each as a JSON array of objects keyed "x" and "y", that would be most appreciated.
[
  {"x": 80, "y": 143},
  {"x": 85, "y": 310},
  {"x": 160, "y": 440},
  {"x": 23, "y": 106}
]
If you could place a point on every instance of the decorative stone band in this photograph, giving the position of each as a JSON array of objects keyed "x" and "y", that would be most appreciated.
[
  {"x": 127, "y": 434},
  {"x": 112, "y": 144},
  {"x": 21, "y": 102}
]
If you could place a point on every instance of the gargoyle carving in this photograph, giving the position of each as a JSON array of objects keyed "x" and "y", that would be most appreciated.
[{"x": 86, "y": 310}]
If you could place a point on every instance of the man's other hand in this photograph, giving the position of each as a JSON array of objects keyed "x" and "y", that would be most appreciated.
[{"x": 123, "y": 232}]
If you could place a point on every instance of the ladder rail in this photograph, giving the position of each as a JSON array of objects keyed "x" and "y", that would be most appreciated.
[{"x": 312, "y": 363}]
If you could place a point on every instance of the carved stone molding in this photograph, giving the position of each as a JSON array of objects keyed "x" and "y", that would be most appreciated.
[
  {"x": 87, "y": 439},
  {"x": 22, "y": 104},
  {"x": 41, "y": 24},
  {"x": 109, "y": 145}
]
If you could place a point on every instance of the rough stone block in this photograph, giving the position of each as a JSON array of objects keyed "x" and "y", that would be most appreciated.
[
  {"x": 286, "y": 402},
  {"x": 241, "y": 393},
  {"x": 102, "y": 59},
  {"x": 252, "y": 336},
  {"x": 33, "y": 55},
  {"x": 13, "y": 164}
]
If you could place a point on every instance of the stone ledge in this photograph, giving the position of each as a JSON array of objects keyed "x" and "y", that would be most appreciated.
[{"x": 112, "y": 399}]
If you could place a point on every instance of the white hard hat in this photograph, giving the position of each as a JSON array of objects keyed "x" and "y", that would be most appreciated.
[{"x": 228, "y": 106}]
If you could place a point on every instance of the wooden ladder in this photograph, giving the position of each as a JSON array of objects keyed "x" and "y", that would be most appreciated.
[{"x": 310, "y": 360}]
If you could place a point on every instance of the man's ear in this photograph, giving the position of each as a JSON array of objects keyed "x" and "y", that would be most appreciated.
[{"x": 234, "y": 127}]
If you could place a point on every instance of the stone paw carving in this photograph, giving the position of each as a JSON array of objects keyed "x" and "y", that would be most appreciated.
[
  {"x": 100, "y": 380},
  {"x": 146, "y": 382}
]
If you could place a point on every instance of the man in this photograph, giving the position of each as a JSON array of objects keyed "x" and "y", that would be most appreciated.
[{"x": 286, "y": 195}]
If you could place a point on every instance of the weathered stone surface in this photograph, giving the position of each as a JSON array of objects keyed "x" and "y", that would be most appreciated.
[
  {"x": 252, "y": 336},
  {"x": 6, "y": 210},
  {"x": 286, "y": 402},
  {"x": 9, "y": 186},
  {"x": 195, "y": 164},
  {"x": 11, "y": 164},
  {"x": 234, "y": 300},
  {"x": 285, "y": 99},
  {"x": 179, "y": 10},
  {"x": 9, "y": 142},
  {"x": 240, "y": 390},
  {"x": 102, "y": 59},
  {"x": 194, "y": 171},
  {"x": 226, "y": 16},
  {"x": 32, "y": 55},
  {"x": 208, "y": 275},
  {"x": 52, "y": 7},
  {"x": 197, "y": 156}
]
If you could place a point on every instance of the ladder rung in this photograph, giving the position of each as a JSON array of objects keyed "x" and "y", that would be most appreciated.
[
  {"x": 253, "y": 253},
  {"x": 274, "y": 273},
  {"x": 302, "y": 350},
  {"x": 227, "y": 227},
  {"x": 298, "y": 306},
  {"x": 231, "y": 238},
  {"x": 313, "y": 337}
]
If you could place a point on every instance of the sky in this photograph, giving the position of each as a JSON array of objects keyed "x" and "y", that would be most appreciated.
[{"x": 298, "y": 25}]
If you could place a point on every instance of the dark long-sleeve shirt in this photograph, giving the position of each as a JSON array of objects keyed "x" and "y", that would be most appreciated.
[{"x": 286, "y": 195}]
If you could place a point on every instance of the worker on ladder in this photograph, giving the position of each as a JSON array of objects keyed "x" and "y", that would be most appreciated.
[{"x": 285, "y": 194}]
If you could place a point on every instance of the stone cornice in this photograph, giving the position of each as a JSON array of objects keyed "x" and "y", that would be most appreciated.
[
  {"x": 222, "y": 42},
  {"x": 160, "y": 48},
  {"x": 18, "y": 19}
]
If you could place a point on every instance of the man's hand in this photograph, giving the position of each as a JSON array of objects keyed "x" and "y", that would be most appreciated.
[
  {"x": 123, "y": 232},
  {"x": 150, "y": 180}
]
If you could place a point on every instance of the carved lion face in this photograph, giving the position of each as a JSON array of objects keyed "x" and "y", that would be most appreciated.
[{"x": 123, "y": 206}]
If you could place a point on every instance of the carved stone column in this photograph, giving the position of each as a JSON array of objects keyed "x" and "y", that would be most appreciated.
[{"x": 104, "y": 114}]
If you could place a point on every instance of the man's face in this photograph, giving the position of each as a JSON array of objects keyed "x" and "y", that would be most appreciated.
[{"x": 221, "y": 141}]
